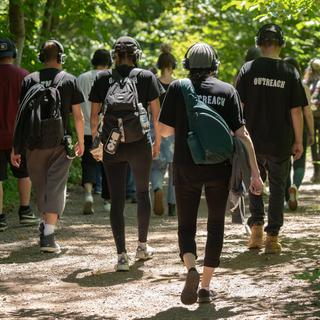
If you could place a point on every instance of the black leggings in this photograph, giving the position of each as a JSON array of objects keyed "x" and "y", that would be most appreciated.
[
  {"x": 139, "y": 156},
  {"x": 188, "y": 200}
]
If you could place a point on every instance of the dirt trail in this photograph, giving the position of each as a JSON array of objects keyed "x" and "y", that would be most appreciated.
[{"x": 80, "y": 283}]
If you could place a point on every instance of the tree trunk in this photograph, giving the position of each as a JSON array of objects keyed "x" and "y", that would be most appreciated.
[
  {"x": 17, "y": 27},
  {"x": 50, "y": 19}
]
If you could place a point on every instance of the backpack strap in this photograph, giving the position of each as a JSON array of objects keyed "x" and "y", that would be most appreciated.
[
  {"x": 58, "y": 79},
  {"x": 190, "y": 98}
]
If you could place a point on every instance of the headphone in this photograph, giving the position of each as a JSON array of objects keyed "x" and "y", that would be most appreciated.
[
  {"x": 278, "y": 34},
  {"x": 124, "y": 47},
  {"x": 215, "y": 61},
  {"x": 60, "y": 57}
]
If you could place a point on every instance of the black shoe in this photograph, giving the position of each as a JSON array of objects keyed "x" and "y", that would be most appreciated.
[
  {"x": 3, "y": 222},
  {"x": 205, "y": 296},
  {"x": 171, "y": 209},
  {"x": 27, "y": 217},
  {"x": 48, "y": 244},
  {"x": 189, "y": 292}
]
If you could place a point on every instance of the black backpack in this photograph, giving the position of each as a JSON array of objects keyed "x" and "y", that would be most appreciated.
[
  {"x": 122, "y": 111},
  {"x": 39, "y": 124}
]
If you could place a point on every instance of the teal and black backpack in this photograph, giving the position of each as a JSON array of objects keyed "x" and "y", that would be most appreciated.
[{"x": 209, "y": 137}]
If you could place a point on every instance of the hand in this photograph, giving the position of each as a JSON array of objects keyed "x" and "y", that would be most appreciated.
[
  {"x": 256, "y": 185},
  {"x": 297, "y": 150},
  {"x": 310, "y": 139},
  {"x": 155, "y": 150},
  {"x": 97, "y": 153},
  {"x": 79, "y": 148},
  {"x": 15, "y": 159}
]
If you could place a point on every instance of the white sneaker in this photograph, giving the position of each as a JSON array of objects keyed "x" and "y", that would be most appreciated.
[
  {"x": 123, "y": 262},
  {"x": 144, "y": 253},
  {"x": 88, "y": 204},
  {"x": 107, "y": 205}
]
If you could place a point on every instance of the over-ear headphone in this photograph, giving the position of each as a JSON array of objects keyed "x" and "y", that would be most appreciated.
[
  {"x": 215, "y": 61},
  {"x": 60, "y": 56},
  {"x": 272, "y": 28}
]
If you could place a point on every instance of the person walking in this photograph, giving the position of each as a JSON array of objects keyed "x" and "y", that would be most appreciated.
[
  {"x": 11, "y": 77},
  {"x": 312, "y": 80},
  {"x": 101, "y": 60},
  {"x": 166, "y": 64},
  {"x": 201, "y": 60},
  {"x": 125, "y": 93},
  {"x": 298, "y": 166},
  {"x": 48, "y": 164},
  {"x": 272, "y": 96}
]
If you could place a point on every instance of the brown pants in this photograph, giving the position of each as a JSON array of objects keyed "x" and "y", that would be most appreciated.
[{"x": 48, "y": 170}]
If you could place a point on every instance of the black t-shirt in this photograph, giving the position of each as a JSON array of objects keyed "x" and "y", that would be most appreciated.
[
  {"x": 147, "y": 85},
  {"x": 70, "y": 92},
  {"x": 269, "y": 88},
  {"x": 220, "y": 96}
]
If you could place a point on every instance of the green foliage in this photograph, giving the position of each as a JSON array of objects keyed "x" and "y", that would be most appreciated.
[
  {"x": 10, "y": 191},
  {"x": 311, "y": 276}
]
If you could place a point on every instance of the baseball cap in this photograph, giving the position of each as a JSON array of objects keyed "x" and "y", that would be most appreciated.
[
  {"x": 270, "y": 31},
  {"x": 201, "y": 56},
  {"x": 7, "y": 48},
  {"x": 126, "y": 44},
  {"x": 315, "y": 64}
]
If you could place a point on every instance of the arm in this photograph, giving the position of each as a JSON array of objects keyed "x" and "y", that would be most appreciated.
[
  {"x": 297, "y": 122},
  {"x": 307, "y": 112},
  {"x": 94, "y": 118},
  {"x": 79, "y": 126},
  {"x": 155, "y": 110},
  {"x": 256, "y": 185},
  {"x": 165, "y": 130}
]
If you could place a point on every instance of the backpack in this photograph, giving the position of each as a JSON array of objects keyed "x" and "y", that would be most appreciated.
[
  {"x": 39, "y": 124},
  {"x": 122, "y": 111},
  {"x": 209, "y": 138}
]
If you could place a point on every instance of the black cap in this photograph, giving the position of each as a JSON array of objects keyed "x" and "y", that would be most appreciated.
[
  {"x": 270, "y": 31},
  {"x": 7, "y": 48},
  {"x": 126, "y": 44}
]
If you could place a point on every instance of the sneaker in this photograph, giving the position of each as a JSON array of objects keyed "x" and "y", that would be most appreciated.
[
  {"x": 293, "y": 197},
  {"x": 171, "y": 209},
  {"x": 27, "y": 217},
  {"x": 106, "y": 205},
  {"x": 88, "y": 204},
  {"x": 189, "y": 292},
  {"x": 205, "y": 296},
  {"x": 145, "y": 253},
  {"x": 123, "y": 262},
  {"x": 158, "y": 208},
  {"x": 3, "y": 222},
  {"x": 48, "y": 244}
]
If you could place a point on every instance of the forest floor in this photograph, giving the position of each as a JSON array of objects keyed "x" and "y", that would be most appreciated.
[{"x": 80, "y": 283}]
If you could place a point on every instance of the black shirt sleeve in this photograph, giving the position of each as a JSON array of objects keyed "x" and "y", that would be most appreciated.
[
  {"x": 77, "y": 95},
  {"x": 240, "y": 84},
  {"x": 99, "y": 88},
  {"x": 298, "y": 94},
  {"x": 168, "y": 109},
  {"x": 154, "y": 87},
  {"x": 235, "y": 118}
]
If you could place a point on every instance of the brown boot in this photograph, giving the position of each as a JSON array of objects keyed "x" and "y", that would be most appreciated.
[
  {"x": 256, "y": 238},
  {"x": 272, "y": 244}
]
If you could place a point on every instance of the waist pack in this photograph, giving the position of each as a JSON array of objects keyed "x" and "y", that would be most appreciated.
[
  {"x": 39, "y": 123},
  {"x": 122, "y": 111},
  {"x": 209, "y": 138}
]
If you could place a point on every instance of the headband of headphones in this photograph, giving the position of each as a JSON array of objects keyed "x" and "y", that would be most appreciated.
[
  {"x": 270, "y": 32},
  {"x": 60, "y": 56},
  {"x": 215, "y": 60}
]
